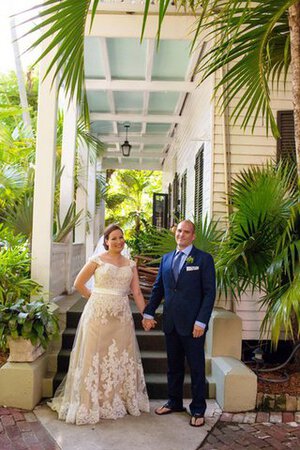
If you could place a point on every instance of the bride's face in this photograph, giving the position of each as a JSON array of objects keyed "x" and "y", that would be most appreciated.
[{"x": 115, "y": 241}]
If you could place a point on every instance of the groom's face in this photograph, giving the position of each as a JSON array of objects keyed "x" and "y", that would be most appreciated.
[{"x": 185, "y": 234}]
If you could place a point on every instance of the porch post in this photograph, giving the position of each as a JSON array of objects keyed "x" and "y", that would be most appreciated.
[
  {"x": 91, "y": 206},
  {"x": 44, "y": 179},
  {"x": 81, "y": 194},
  {"x": 67, "y": 177}
]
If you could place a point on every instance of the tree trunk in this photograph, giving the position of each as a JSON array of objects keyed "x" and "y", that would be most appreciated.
[{"x": 294, "y": 24}]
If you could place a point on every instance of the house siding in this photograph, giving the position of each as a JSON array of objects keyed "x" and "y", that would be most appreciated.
[
  {"x": 191, "y": 134},
  {"x": 203, "y": 124}
]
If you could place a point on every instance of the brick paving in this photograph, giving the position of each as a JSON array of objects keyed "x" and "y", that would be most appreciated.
[
  {"x": 254, "y": 431},
  {"x": 21, "y": 430}
]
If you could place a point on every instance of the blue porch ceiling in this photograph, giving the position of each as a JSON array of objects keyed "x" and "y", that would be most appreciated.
[{"x": 136, "y": 83}]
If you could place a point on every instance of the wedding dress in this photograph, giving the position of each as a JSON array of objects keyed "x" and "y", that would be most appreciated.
[{"x": 105, "y": 379}]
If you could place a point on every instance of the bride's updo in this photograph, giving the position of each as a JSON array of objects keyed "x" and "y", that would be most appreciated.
[{"x": 109, "y": 229}]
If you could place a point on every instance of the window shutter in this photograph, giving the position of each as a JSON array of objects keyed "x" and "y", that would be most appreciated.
[
  {"x": 169, "y": 204},
  {"x": 176, "y": 197},
  {"x": 183, "y": 195},
  {"x": 199, "y": 185},
  {"x": 286, "y": 146}
]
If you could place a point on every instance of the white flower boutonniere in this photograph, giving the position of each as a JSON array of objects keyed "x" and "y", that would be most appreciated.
[{"x": 189, "y": 260}]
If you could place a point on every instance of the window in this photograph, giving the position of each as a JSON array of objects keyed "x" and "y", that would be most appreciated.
[
  {"x": 160, "y": 210},
  {"x": 183, "y": 196},
  {"x": 286, "y": 146},
  {"x": 198, "y": 185}
]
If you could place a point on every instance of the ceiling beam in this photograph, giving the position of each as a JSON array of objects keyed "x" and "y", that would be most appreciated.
[
  {"x": 127, "y": 163},
  {"x": 107, "y": 72},
  {"x": 175, "y": 26},
  {"x": 136, "y": 139},
  {"x": 152, "y": 118},
  {"x": 134, "y": 154},
  {"x": 93, "y": 84}
]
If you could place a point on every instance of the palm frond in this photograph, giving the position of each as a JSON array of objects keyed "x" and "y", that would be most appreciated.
[
  {"x": 282, "y": 305},
  {"x": 18, "y": 216},
  {"x": 71, "y": 219},
  {"x": 263, "y": 199},
  {"x": 64, "y": 22}
]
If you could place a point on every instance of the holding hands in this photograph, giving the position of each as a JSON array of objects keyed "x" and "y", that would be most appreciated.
[{"x": 148, "y": 324}]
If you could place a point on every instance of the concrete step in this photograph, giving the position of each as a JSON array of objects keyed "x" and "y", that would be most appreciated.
[
  {"x": 150, "y": 340},
  {"x": 68, "y": 338}
]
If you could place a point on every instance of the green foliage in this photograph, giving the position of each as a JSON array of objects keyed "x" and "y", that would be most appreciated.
[
  {"x": 9, "y": 96},
  {"x": 261, "y": 249},
  {"x": 15, "y": 281},
  {"x": 70, "y": 221},
  {"x": 157, "y": 242},
  {"x": 129, "y": 198},
  {"x": 65, "y": 22},
  {"x": 30, "y": 320},
  {"x": 250, "y": 40}
]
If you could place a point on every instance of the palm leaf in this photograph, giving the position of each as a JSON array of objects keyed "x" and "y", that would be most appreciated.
[
  {"x": 64, "y": 22},
  {"x": 70, "y": 221}
]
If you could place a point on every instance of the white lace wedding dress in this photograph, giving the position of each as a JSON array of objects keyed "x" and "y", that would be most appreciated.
[{"x": 105, "y": 378}]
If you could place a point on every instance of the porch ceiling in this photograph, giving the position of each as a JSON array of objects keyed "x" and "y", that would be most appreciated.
[{"x": 132, "y": 82}]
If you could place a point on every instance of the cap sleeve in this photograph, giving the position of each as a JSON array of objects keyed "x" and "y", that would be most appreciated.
[
  {"x": 95, "y": 259},
  {"x": 132, "y": 264}
]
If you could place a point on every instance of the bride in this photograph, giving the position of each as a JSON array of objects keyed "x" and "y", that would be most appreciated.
[{"x": 105, "y": 379}]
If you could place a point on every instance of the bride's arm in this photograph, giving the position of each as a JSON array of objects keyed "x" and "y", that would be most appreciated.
[
  {"x": 83, "y": 277},
  {"x": 136, "y": 291}
]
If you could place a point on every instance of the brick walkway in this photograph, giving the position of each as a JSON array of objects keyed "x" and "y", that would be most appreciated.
[
  {"x": 255, "y": 431},
  {"x": 21, "y": 430}
]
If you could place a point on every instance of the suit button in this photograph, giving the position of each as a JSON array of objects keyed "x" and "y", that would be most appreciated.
[{"x": 174, "y": 290}]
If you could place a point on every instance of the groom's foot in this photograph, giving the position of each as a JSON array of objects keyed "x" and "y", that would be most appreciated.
[
  {"x": 197, "y": 420},
  {"x": 166, "y": 409}
]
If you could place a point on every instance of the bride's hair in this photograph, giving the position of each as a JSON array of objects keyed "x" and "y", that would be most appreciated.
[{"x": 112, "y": 227}]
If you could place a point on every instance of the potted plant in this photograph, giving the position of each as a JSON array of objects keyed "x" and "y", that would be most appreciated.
[{"x": 26, "y": 328}]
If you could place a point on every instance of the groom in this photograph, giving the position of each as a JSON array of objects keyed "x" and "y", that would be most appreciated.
[{"x": 186, "y": 281}]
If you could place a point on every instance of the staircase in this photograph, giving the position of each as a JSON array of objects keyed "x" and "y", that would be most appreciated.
[{"x": 152, "y": 347}]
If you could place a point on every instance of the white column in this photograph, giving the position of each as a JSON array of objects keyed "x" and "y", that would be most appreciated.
[
  {"x": 81, "y": 194},
  {"x": 44, "y": 179},
  {"x": 68, "y": 157},
  {"x": 67, "y": 178},
  {"x": 98, "y": 219},
  {"x": 90, "y": 242}
]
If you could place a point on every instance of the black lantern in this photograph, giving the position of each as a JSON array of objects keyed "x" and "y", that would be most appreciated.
[{"x": 126, "y": 147}]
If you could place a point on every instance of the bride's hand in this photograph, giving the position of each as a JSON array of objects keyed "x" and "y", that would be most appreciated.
[{"x": 148, "y": 324}]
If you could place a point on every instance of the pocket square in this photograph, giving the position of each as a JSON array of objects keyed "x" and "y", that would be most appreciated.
[{"x": 190, "y": 268}]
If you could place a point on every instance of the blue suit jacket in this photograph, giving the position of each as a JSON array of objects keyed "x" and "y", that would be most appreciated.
[{"x": 191, "y": 298}]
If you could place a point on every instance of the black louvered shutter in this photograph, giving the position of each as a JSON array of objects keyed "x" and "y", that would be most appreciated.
[
  {"x": 286, "y": 146},
  {"x": 176, "y": 197},
  {"x": 199, "y": 185},
  {"x": 183, "y": 195},
  {"x": 169, "y": 204}
]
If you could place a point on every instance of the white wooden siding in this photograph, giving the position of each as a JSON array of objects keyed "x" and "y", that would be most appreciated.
[
  {"x": 195, "y": 130},
  {"x": 203, "y": 124}
]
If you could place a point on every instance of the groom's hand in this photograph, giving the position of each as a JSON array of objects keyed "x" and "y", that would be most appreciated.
[
  {"x": 148, "y": 324},
  {"x": 198, "y": 331}
]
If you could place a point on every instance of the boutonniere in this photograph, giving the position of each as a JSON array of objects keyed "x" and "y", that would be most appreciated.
[{"x": 189, "y": 260}]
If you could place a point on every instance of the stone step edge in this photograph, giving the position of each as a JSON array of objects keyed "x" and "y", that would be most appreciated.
[{"x": 277, "y": 402}]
